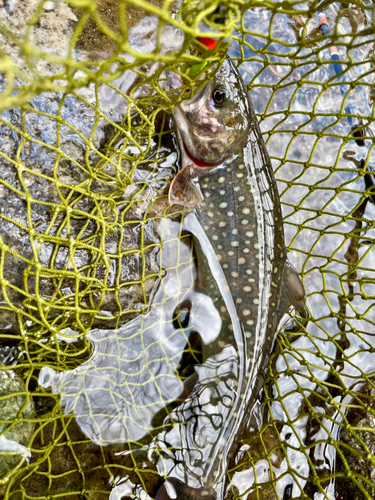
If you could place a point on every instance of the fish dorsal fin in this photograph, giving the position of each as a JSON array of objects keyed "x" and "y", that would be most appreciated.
[
  {"x": 184, "y": 189},
  {"x": 291, "y": 293}
]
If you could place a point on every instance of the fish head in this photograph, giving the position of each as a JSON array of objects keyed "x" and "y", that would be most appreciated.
[{"x": 214, "y": 123}]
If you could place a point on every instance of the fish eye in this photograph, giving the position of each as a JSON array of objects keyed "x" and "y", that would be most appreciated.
[{"x": 220, "y": 97}]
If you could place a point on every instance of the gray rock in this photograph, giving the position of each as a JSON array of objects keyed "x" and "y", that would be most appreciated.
[
  {"x": 69, "y": 217},
  {"x": 16, "y": 408}
]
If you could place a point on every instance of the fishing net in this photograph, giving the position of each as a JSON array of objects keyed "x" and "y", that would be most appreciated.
[{"x": 89, "y": 244}]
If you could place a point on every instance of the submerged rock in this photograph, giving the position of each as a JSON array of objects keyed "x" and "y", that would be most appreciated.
[
  {"x": 18, "y": 409},
  {"x": 357, "y": 446}
]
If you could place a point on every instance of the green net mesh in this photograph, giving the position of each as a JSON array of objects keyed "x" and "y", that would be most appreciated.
[{"x": 87, "y": 151}]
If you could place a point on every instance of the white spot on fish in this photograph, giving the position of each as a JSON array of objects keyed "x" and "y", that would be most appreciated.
[
  {"x": 230, "y": 253},
  {"x": 234, "y": 243},
  {"x": 210, "y": 214},
  {"x": 249, "y": 322},
  {"x": 256, "y": 301},
  {"x": 222, "y": 223},
  {"x": 246, "y": 250},
  {"x": 239, "y": 175},
  {"x": 246, "y": 312},
  {"x": 241, "y": 198},
  {"x": 221, "y": 180},
  {"x": 234, "y": 274},
  {"x": 246, "y": 211},
  {"x": 223, "y": 205},
  {"x": 244, "y": 222},
  {"x": 247, "y": 288},
  {"x": 250, "y": 234},
  {"x": 241, "y": 260},
  {"x": 230, "y": 214}
]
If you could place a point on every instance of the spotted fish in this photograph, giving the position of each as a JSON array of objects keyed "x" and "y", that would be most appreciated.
[{"x": 226, "y": 178}]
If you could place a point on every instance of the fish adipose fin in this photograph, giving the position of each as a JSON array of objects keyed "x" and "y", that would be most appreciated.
[
  {"x": 291, "y": 293},
  {"x": 184, "y": 189}
]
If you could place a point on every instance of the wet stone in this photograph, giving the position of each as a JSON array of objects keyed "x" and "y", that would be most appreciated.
[
  {"x": 49, "y": 226},
  {"x": 18, "y": 410},
  {"x": 257, "y": 447},
  {"x": 78, "y": 466}
]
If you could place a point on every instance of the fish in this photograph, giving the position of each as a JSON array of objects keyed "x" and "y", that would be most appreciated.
[{"x": 227, "y": 183}]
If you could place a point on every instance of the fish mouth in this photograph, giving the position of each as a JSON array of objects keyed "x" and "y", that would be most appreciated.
[
  {"x": 199, "y": 163},
  {"x": 191, "y": 141}
]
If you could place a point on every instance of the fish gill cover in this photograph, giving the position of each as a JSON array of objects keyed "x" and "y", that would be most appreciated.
[{"x": 89, "y": 243}]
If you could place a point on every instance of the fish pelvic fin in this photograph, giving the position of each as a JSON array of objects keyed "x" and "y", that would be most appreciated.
[{"x": 184, "y": 189}]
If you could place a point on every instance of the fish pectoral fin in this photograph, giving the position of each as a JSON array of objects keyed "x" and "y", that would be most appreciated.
[
  {"x": 292, "y": 293},
  {"x": 184, "y": 189}
]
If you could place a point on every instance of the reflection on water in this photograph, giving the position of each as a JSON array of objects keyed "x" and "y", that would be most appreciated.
[
  {"x": 132, "y": 373},
  {"x": 322, "y": 184}
]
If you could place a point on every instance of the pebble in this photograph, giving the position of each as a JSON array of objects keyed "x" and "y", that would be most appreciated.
[{"x": 48, "y": 6}]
